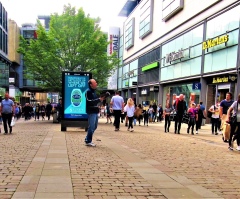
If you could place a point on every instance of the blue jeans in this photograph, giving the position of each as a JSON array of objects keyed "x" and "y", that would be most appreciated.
[{"x": 92, "y": 126}]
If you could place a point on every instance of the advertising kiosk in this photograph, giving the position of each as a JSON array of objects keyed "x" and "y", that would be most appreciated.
[{"x": 74, "y": 88}]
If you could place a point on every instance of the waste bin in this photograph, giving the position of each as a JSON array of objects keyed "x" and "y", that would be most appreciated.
[{"x": 55, "y": 117}]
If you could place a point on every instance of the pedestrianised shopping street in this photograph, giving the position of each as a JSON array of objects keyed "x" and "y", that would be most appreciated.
[{"x": 38, "y": 160}]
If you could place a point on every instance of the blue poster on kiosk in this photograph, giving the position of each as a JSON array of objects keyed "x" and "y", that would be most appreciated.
[{"x": 75, "y": 85}]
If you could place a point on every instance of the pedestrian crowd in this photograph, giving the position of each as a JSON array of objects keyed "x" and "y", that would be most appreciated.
[{"x": 224, "y": 115}]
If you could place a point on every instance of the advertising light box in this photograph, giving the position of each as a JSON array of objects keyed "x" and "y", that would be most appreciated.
[{"x": 74, "y": 88}]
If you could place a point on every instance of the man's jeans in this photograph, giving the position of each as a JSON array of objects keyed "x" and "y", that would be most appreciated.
[{"x": 92, "y": 126}]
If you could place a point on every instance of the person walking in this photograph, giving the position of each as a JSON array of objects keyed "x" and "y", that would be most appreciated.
[
  {"x": 214, "y": 109},
  {"x": 43, "y": 111},
  {"x": 7, "y": 110},
  {"x": 117, "y": 104},
  {"x": 200, "y": 118},
  {"x": 167, "y": 112},
  {"x": 145, "y": 115},
  {"x": 130, "y": 108},
  {"x": 180, "y": 107},
  {"x": 48, "y": 110},
  {"x": 37, "y": 111},
  {"x": 235, "y": 125},
  {"x": 108, "y": 112},
  {"x": 92, "y": 110},
  {"x": 160, "y": 113},
  {"x": 224, "y": 105},
  {"x": 193, "y": 117},
  {"x": 138, "y": 114}
]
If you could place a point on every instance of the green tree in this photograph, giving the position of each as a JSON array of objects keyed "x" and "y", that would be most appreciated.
[{"x": 74, "y": 42}]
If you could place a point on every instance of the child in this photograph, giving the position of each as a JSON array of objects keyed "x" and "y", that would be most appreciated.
[
  {"x": 130, "y": 109},
  {"x": 193, "y": 117}
]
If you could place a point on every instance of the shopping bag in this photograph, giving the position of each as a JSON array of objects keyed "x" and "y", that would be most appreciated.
[
  {"x": 172, "y": 116},
  {"x": 12, "y": 122},
  {"x": 186, "y": 118}
]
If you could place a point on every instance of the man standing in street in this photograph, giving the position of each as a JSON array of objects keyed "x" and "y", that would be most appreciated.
[
  {"x": 117, "y": 104},
  {"x": 224, "y": 105},
  {"x": 92, "y": 111},
  {"x": 181, "y": 108},
  {"x": 7, "y": 110}
]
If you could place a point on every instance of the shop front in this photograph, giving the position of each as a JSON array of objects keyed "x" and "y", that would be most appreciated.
[
  {"x": 149, "y": 95},
  {"x": 218, "y": 86},
  {"x": 190, "y": 90}
]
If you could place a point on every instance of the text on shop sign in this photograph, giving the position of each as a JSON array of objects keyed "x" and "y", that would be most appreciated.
[
  {"x": 219, "y": 80},
  {"x": 174, "y": 56},
  {"x": 214, "y": 42}
]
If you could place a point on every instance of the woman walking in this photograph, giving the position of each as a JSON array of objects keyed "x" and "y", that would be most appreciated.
[
  {"x": 130, "y": 109},
  {"x": 167, "y": 112}
]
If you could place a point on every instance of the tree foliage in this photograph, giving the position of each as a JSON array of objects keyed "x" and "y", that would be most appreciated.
[{"x": 74, "y": 42}]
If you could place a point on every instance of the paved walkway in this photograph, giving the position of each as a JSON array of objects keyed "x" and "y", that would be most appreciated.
[{"x": 40, "y": 161}]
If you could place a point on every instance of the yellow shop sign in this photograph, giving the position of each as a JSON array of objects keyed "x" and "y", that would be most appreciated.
[
  {"x": 214, "y": 42},
  {"x": 220, "y": 80}
]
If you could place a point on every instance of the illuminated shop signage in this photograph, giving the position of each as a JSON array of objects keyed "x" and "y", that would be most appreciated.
[
  {"x": 224, "y": 79},
  {"x": 174, "y": 56},
  {"x": 144, "y": 92},
  {"x": 214, "y": 42}
]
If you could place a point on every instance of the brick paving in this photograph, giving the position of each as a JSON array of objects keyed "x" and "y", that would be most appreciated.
[{"x": 40, "y": 161}]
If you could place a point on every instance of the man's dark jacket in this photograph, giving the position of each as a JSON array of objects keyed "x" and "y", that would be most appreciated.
[{"x": 92, "y": 101}]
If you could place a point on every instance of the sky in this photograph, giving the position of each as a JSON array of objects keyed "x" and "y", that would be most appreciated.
[{"x": 26, "y": 11}]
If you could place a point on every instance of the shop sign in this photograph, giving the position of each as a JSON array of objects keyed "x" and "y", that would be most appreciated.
[
  {"x": 196, "y": 86},
  {"x": 174, "y": 56},
  {"x": 214, "y": 42},
  {"x": 225, "y": 79},
  {"x": 144, "y": 92}
]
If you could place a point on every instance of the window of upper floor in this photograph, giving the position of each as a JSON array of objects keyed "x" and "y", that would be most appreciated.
[
  {"x": 129, "y": 34},
  {"x": 146, "y": 19},
  {"x": 170, "y": 8}
]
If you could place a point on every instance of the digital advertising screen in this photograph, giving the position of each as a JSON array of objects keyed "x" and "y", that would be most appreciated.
[{"x": 75, "y": 85}]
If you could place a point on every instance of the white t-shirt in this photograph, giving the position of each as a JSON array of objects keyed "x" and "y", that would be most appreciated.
[
  {"x": 216, "y": 111},
  {"x": 236, "y": 110}
]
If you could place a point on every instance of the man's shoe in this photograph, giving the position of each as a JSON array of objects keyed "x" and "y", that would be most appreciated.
[
  {"x": 196, "y": 132},
  {"x": 220, "y": 132},
  {"x": 131, "y": 130},
  {"x": 188, "y": 131},
  {"x": 90, "y": 144},
  {"x": 216, "y": 133},
  {"x": 238, "y": 148},
  {"x": 116, "y": 130},
  {"x": 6, "y": 133}
]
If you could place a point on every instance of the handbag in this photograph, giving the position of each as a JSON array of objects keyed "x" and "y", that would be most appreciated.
[
  {"x": 233, "y": 119},
  {"x": 186, "y": 118},
  {"x": 209, "y": 114},
  {"x": 172, "y": 116}
]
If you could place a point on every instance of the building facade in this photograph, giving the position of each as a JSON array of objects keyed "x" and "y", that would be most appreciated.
[
  {"x": 4, "y": 61},
  {"x": 170, "y": 47}
]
